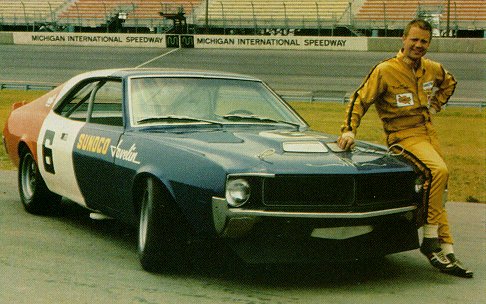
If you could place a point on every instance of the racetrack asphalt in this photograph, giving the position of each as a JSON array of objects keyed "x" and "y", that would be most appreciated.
[
  {"x": 69, "y": 258},
  {"x": 317, "y": 73}
]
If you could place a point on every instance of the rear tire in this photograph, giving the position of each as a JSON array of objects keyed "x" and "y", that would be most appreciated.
[
  {"x": 34, "y": 194},
  {"x": 162, "y": 233}
]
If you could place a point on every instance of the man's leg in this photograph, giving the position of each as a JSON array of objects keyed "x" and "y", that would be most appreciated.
[
  {"x": 437, "y": 242},
  {"x": 426, "y": 158},
  {"x": 429, "y": 161}
]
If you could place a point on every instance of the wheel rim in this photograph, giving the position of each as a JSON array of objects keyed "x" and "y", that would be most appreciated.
[
  {"x": 28, "y": 177},
  {"x": 144, "y": 215}
]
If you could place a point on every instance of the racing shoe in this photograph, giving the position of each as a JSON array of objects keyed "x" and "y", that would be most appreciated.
[
  {"x": 457, "y": 269},
  {"x": 431, "y": 249}
]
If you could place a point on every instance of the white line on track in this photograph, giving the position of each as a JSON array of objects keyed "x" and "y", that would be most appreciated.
[{"x": 158, "y": 57}]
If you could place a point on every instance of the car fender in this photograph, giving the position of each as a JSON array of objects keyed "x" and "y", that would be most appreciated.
[
  {"x": 24, "y": 124},
  {"x": 192, "y": 195}
]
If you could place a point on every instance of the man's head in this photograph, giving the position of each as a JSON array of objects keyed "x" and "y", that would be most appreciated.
[{"x": 416, "y": 39}]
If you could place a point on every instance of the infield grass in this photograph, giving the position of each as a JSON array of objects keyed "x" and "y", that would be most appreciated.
[{"x": 462, "y": 132}]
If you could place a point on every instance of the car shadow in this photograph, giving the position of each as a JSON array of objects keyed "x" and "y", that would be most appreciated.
[{"x": 214, "y": 262}]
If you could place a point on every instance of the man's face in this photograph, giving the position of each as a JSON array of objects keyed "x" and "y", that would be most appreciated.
[{"x": 416, "y": 43}]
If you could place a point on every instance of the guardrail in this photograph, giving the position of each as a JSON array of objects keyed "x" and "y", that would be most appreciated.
[
  {"x": 289, "y": 96},
  {"x": 27, "y": 86},
  {"x": 344, "y": 99}
]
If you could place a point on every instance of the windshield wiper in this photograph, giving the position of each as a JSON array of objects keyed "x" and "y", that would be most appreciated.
[
  {"x": 175, "y": 118},
  {"x": 235, "y": 117}
]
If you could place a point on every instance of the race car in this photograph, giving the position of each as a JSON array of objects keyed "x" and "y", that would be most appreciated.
[{"x": 189, "y": 156}]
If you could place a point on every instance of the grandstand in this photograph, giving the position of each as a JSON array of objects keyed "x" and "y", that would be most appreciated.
[
  {"x": 276, "y": 13},
  {"x": 138, "y": 13},
  {"x": 393, "y": 14},
  {"x": 30, "y": 12},
  {"x": 303, "y": 17}
]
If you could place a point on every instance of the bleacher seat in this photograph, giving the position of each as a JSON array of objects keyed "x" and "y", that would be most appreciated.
[
  {"x": 395, "y": 13},
  {"x": 261, "y": 14},
  {"x": 276, "y": 13},
  {"x": 139, "y": 12},
  {"x": 29, "y": 11}
]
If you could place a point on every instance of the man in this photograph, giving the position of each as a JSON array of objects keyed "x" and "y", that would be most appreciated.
[{"x": 406, "y": 91}]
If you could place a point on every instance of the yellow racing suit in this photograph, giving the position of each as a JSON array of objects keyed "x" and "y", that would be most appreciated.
[{"x": 404, "y": 98}]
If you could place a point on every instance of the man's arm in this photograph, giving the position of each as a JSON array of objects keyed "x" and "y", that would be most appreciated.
[
  {"x": 360, "y": 101},
  {"x": 445, "y": 88}
]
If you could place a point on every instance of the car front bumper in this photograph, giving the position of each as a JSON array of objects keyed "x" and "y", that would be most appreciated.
[
  {"x": 278, "y": 237},
  {"x": 237, "y": 222}
]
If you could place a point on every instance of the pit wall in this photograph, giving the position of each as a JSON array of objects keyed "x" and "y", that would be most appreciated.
[
  {"x": 438, "y": 45},
  {"x": 372, "y": 44}
]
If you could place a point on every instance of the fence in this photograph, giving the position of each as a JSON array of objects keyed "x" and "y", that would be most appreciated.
[
  {"x": 370, "y": 17},
  {"x": 289, "y": 96}
]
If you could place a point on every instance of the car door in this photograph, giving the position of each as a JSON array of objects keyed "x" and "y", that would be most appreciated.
[
  {"x": 76, "y": 141},
  {"x": 95, "y": 146}
]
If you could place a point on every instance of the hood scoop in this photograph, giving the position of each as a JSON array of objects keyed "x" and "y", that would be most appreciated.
[{"x": 305, "y": 147}]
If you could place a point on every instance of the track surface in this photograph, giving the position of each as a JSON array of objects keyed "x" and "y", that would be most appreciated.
[
  {"x": 69, "y": 258},
  {"x": 324, "y": 73}
]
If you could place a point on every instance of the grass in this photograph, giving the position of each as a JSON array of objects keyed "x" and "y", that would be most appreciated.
[{"x": 462, "y": 132}]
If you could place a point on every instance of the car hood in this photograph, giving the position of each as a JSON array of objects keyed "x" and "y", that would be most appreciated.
[{"x": 280, "y": 151}]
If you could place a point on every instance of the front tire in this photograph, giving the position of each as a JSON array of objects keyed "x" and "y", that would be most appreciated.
[
  {"x": 162, "y": 233},
  {"x": 34, "y": 194}
]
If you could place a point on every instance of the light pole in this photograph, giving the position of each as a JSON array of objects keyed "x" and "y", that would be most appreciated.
[
  {"x": 448, "y": 17},
  {"x": 206, "y": 17}
]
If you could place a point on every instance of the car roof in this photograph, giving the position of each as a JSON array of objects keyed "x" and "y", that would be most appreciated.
[
  {"x": 144, "y": 72},
  {"x": 148, "y": 72}
]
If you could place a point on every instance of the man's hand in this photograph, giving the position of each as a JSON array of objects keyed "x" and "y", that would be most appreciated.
[{"x": 346, "y": 140}]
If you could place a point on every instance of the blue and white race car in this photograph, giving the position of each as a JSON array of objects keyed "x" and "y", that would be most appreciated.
[{"x": 186, "y": 156}]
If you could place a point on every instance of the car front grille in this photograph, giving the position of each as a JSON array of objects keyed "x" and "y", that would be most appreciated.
[{"x": 338, "y": 190}]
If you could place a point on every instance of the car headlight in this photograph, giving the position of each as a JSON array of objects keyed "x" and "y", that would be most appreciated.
[{"x": 237, "y": 192}]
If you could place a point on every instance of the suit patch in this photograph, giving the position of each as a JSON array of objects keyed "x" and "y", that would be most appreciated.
[
  {"x": 428, "y": 87},
  {"x": 404, "y": 100}
]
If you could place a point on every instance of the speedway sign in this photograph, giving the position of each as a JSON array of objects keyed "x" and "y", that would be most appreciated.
[
  {"x": 280, "y": 42},
  {"x": 194, "y": 41},
  {"x": 90, "y": 39}
]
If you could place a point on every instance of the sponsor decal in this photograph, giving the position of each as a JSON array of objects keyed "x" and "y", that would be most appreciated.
[
  {"x": 429, "y": 90},
  {"x": 101, "y": 145},
  {"x": 404, "y": 100},
  {"x": 93, "y": 143},
  {"x": 428, "y": 87},
  {"x": 124, "y": 154}
]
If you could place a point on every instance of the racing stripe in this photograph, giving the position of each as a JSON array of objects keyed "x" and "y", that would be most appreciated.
[
  {"x": 445, "y": 73},
  {"x": 348, "y": 122},
  {"x": 427, "y": 175}
]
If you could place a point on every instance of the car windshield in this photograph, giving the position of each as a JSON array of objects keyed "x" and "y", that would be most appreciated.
[{"x": 183, "y": 100}]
